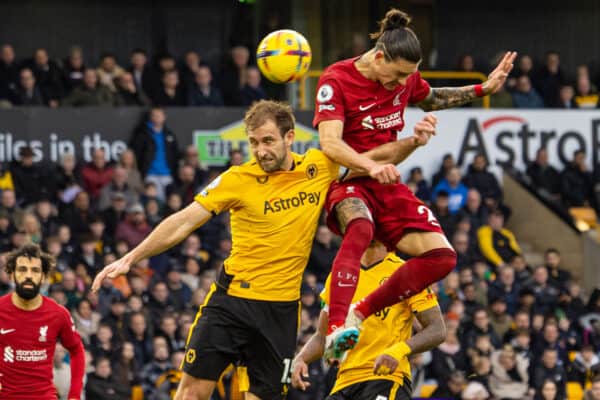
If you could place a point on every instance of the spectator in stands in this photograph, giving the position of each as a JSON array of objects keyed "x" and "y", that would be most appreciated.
[
  {"x": 48, "y": 76},
  {"x": 322, "y": 253},
  {"x": 478, "y": 177},
  {"x": 202, "y": 92},
  {"x": 460, "y": 242},
  {"x": 127, "y": 93},
  {"x": 497, "y": 244},
  {"x": 480, "y": 326},
  {"x": 543, "y": 175},
  {"x": 73, "y": 69},
  {"x": 9, "y": 71},
  {"x": 140, "y": 338},
  {"x": 134, "y": 179},
  {"x": 192, "y": 158},
  {"x": 46, "y": 215},
  {"x": 109, "y": 71},
  {"x": 549, "y": 78},
  {"x": 118, "y": 183},
  {"x": 156, "y": 150},
  {"x": 28, "y": 177},
  {"x": 61, "y": 372},
  {"x": 474, "y": 210},
  {"x": 115, "y": 213},
  {"x": 577, "y": 183},
  {"x": 524, "y": 67},
  {"x": 452, "y": 387},
  {"x": 510, "y": 377},
  {"x": 500, "y": 320},
  {"x": 143, "y": 76},
  {"x": 586, "y": 95},
  {"x": 422, "y": 188},
  {"x": 27, "y": 92},
  {"x": 234, "y": 76},
  {"x": 546, "y": 295},
  {"x": 96, "y": 174},
  {"x": 159, "y": 365},
  {"x": 549, "y": 370},
  {"x": 559, "y": 276},
  {"x": 567, "y": 97},
  {"x": 570, "y": 301},
  {"x": 441, "y": 210},
  {"x": 125, "y": 370},
  {"x": 167, "y": 383},
  {"x": 184, "y": 185},
  {"x": 522, "y": 269},
  {"x": 447, "y": 163},
  {"x": 506, "y": 288},
  {"x": 593, "y": 393},
  {"x": 101, "y": 384},
  {"x": 190, "y": 66},
  {"x": 134, "y": 228},
  {"x": 457, "y": 191},
  {"x": 585, "y": 366},
  {"x": 252, "y": 91},
  {"x": 170, "y": 93},
  {"x": 90, "y": 93},
  {"x": 86, "y": 320},
  {"x": 525, "y": 96}
]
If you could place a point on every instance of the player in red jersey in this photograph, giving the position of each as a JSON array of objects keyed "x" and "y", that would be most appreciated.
[
  {"x": 360, "y": 105},
  {"x": 30, "y": 326}
]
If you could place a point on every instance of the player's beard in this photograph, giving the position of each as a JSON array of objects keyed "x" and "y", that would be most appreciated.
[
  {"x": 27, "y": 293},
  {"x": 273, "y": 162}
]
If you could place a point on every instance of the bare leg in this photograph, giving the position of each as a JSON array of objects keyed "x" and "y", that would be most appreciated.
[{"x": 191, "y": 388}]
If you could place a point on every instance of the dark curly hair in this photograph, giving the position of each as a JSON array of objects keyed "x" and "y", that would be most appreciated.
[{"x": 30, "y": 251}]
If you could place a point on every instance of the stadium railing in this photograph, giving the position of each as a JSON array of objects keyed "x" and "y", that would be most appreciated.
[{"x": 453, "y": 75}]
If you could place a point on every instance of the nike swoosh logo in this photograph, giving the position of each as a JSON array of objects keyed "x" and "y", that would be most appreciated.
[
  {"x": 340, "y": 284},
  {"x": 5, "y": 331},
  {"x": 365, "y": 108}
]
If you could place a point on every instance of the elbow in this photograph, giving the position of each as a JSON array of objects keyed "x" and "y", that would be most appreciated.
[{"x": 327, "y": 146}]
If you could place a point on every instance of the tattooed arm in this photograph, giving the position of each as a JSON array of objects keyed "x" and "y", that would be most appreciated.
[
  {"x": 432, "y": 334},
  {"x": 447, "y": 97}
]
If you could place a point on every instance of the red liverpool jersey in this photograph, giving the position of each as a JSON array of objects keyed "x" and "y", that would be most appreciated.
[
  {"x": 27, "y": 342},
  {"x": 372, "y": 115}
]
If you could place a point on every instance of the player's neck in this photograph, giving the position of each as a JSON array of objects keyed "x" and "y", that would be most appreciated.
[
  {"x": 363, "y": 65},
  {"x": 27, "y": 305}
]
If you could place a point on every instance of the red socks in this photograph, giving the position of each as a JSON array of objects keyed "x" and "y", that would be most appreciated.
[
  {"x": 346, "y": 268},
  {"x": 411, "y": 278}
]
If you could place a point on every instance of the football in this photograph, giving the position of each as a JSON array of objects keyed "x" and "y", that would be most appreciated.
[{"x": 283, "y": 56}]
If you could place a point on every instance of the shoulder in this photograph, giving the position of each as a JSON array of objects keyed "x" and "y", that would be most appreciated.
[{"x": 55, "y": 308}]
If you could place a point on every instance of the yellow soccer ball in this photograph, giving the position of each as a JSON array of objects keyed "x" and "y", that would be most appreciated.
[{"x": 283, "y": 56}]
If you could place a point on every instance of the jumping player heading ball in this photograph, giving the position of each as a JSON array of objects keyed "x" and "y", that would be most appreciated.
[{"x": 360, "y": 105}]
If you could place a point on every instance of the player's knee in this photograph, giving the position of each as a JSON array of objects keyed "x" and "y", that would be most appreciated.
[{"x": 193, "y": 392}]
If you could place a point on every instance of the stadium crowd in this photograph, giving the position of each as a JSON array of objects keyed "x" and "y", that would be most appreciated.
[
  {"x": 40, "y": 80},
  {"x": 515, "y": 330}
]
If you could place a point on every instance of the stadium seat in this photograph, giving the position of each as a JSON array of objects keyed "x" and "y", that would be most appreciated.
[
  {"x": 574, "y": 391},
  {"x": 427, "y": 390},
  {"x": 137, "y": 393},
  {"x": 584, "y": 216}
]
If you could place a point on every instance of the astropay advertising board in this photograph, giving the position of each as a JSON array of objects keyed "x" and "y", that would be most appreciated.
[{"x": 509, "y": 137}]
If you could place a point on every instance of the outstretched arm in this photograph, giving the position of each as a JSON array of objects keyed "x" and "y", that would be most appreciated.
[
  {"x": 312, "y": 351},
  {"x": 448, "y": 97},
  {"x": 166, "y": 235}
]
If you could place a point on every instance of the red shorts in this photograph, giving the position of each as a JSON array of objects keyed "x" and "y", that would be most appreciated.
[{"x": 395, "y": 208}]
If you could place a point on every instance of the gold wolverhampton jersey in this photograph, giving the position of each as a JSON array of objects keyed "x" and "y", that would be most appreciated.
[
  {"x": 381, "y": 330},
  {"x": 274, "y": 217}
]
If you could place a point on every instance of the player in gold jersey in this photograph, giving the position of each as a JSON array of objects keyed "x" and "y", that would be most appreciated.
[
  {"x": 378, "y": 367},
  {"x": 250, "y": 316}
]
